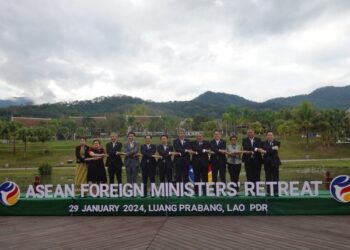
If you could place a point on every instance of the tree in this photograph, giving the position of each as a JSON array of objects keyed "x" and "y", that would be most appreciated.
[
  {"x": 209, "y": 127},
  {"x": 70, "y": 124},
  {"x": 156, "y": 124},
  {"x": 116, "y": 123},
  {"x": 267, "y": 118},
  {"x": 131, "y": 121},
  {"x": 64, "y": 132},
  {"x": 3, "y": 125},
  {"x": 169, "y": 123},
  {"x": 305, "y": 114},
  {"x": 43, "y": 134},
  {"x": 9, "y": 130},
  {"x": 187, "y": 124},
  {"x": 257, "y": 127},
  {"x": 336, "y": 120},
  {"x": 287, "y": 128},
  {"x": 25, "y": 134},
  {"x": 81, "y": 132},
  {"x": 89, "y": 124},
  {"x": 323, "y": 127},
  {"x": 230, "y": 118},
  {"x": 286, "y": 114},
  {"x": 55, "y": 124},
  {"x": 198, "y": 121}
]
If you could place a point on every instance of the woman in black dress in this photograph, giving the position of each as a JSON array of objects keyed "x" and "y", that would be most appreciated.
[{"x": 96, "y": 167}]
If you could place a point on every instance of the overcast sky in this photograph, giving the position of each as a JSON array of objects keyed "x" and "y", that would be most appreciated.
[{"x": 172, "y": 50}]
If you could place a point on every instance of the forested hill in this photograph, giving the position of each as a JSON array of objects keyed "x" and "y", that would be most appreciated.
[
  {"x": 327, "y": 97},
  {"x": 209, "y": 103}
]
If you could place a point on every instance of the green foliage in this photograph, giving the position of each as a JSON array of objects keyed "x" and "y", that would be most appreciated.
[
  {"x": 64, "y": 132},
  {"x": 257, "y": 127},
  {"x": 43, "y": 134},
  {"x": 231, "y": 119},
  {"x": 45, "y": 169},
  {"x": 116, "y": 123},
  {"x": 199, "y": 120},
  {"x": 209, "y": 127},
  {"x": 287, "y": 128},
  {"x": 25, "y": 134},
  {"x": 90, "y": 125},
  {"x": 81, "y": 132}
]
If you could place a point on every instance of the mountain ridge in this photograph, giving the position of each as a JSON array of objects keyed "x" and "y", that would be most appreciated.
[{"x": 209, "y": 103}]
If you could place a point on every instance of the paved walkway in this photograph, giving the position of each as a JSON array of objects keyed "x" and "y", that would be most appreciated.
[{"x": 283, "y": 232}]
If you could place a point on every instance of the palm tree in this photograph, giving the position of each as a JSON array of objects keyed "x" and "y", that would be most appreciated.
[{"x": 305, "y": 114}]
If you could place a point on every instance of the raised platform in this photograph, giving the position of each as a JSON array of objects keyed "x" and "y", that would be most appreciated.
[{"x": 323, "y": 204}]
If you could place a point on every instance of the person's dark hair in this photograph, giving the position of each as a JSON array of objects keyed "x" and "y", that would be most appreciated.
[
  {"x": 96, "y": 140},
  {"x": 233, "y": 136},
  {"x": 150, "y": 136},
  {"x": 165, "y": 135},
  {"x": 82, "y": 138},
  {"x": 131, "y": 133},
  {"x": 216, "y": 130},
  {"x": 269, "y": 131}
]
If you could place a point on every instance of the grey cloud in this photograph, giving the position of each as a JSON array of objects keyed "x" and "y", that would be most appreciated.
[{"x": 77, "y": 43}]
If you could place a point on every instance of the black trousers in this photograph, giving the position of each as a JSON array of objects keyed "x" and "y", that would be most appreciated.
[
  {"x": 253, "y": 170},
  {"x": 165, "y": 172},
  {"x": 219, "y": 168},
  {"x": 271, "y": 174},
  {"x": 148, "y": 172},
  {"x": 181, "y": 171},
  {"x": 200, "y": 169},
  {"x": 115, "y": 170},
  {"x": 234, "y": 170}
]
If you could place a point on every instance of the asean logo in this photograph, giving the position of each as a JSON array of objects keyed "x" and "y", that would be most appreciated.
[
  {"x": 9, "y": 193},
  {"x": 340, "y": 188}
]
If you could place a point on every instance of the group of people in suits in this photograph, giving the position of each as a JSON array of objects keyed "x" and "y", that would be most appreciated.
[
  {"x": 183, "y": 153},
  {"x": 256, "y": 153}
]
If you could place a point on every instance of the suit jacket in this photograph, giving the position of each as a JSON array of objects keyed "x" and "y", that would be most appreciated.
[
  {"x": 131, "y": 157},
  {"x": 247, "y": 146},
  {"x": 271, "y": 155},
  {"x": 218, "y": 157},
  {"x": 78, "y": 157},
  {"x": 166, "y": 158},
  {"x": 178, "y": 147},
  {"x": 111, "y": 151},
  {"x": 200, "y": 156},
  {"x": 147, "y": 154}
]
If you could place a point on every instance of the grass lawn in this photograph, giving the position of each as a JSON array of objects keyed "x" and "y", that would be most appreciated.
[{"x": 58, "y": 152}]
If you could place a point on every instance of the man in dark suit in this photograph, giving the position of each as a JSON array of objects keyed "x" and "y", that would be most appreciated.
[
  {"x": 182, "y": 160},
  {"x": 252, "y": 159},
  {"x": 200, "y": 159},
  {"x": 271, "y": 161},
  {"x": 165, "y": 164},
  {"x": 114, "y": 161},
  {"x": 148, "y": 162},
  {"x": 218, "y": 158}
]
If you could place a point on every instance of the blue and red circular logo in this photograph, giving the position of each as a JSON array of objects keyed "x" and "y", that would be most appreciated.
[
  {"x": 340, "y": 188},
  {"x": 9, "y": 193}
]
